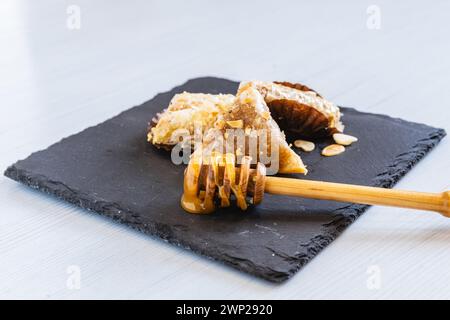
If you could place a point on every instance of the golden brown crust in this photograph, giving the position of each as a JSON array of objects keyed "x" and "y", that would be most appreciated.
[
  {"x": 297, "y": 86},
  {"x": 153, "y": 124}
]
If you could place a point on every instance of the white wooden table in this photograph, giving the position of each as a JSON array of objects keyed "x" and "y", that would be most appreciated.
[{"x": 60, "y": 74}]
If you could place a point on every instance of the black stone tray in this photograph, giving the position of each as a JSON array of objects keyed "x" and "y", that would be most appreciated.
[{"x": 110, "y": 169}]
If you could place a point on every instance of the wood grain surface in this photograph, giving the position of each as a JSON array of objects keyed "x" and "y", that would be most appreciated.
[{"x": 56, "y": 80}]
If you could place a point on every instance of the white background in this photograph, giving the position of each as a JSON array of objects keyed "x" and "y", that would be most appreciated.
[{"x": 56, "y": 81}]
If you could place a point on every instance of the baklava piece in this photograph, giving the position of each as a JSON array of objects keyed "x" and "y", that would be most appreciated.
[
  {"x": 299, "y": 109},
  {"x": 185, "y": 111},
  {"x": 251, "y": 114}
]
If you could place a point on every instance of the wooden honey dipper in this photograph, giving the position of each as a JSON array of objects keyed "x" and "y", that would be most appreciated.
[{"x": 206, "y": 183}]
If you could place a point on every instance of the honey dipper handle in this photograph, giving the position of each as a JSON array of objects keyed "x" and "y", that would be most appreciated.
[{"x": 439, "y": 202}]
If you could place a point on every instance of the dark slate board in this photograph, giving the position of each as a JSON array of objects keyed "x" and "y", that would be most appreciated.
[{"x": 110, "y": 169}]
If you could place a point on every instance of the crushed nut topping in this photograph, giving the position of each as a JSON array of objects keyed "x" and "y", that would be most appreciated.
[
  {"x": 265, "y": 115},
  {"x": 237, "y": 124}
]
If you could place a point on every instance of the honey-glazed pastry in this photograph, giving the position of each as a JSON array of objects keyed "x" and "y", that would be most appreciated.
[
  {"x": 252, "y": 116},
  {"x": 299, "y": 109},
  {"x": 185, "y": 111}
]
